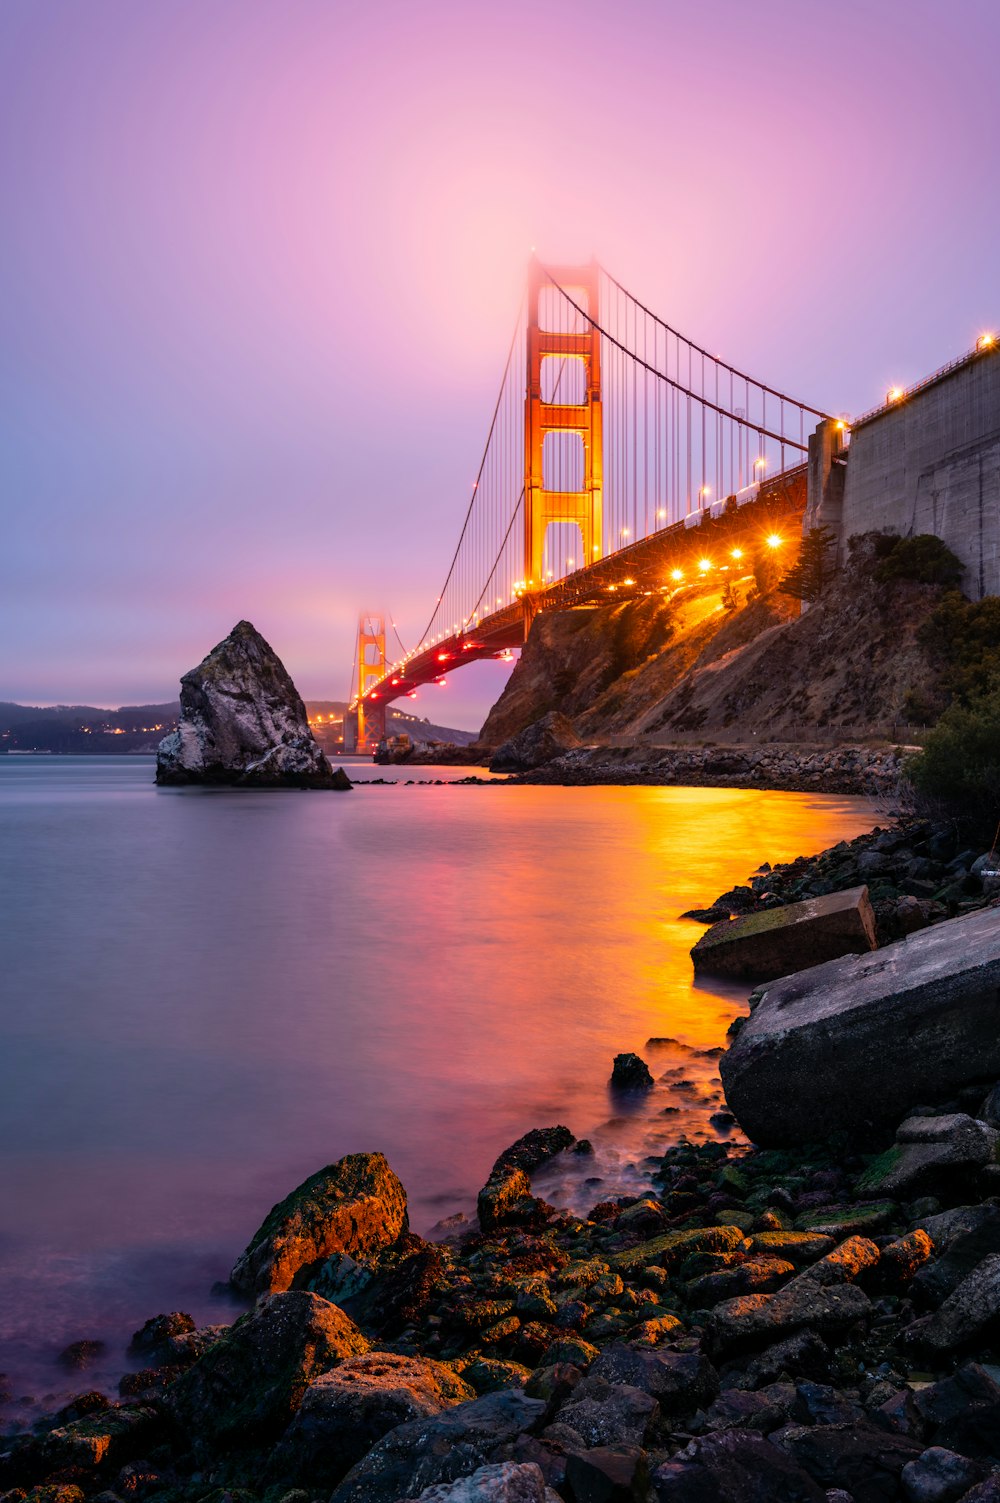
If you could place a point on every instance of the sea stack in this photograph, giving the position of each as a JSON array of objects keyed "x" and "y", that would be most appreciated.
[{"x": 243, "y": 723}]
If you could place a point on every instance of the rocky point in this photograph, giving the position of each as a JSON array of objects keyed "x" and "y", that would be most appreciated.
[{"x": 243, "y": 723}]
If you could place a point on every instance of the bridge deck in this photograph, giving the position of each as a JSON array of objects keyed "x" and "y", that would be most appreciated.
[{"x": 641, "y": 568}]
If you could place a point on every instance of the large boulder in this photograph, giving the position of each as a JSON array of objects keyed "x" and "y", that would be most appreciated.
[
  {"x": 777, "y": 941},
  {"x": 454, "y": 1444},
  {"x": 856, "y": 1041},
  {"x": 242, "y": 1393},
  {"x": 355, "y": 1206},
  {"x": 242, "y": 722},
  {"x": 538, "y": 743},
  {"x": 344, "y": 1412}
]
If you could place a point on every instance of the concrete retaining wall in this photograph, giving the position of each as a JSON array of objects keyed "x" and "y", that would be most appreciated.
[{"x": 929, "y": 463}]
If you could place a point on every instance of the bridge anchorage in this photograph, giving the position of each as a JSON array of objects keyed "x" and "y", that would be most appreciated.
[{"x": 621, "y": 458}]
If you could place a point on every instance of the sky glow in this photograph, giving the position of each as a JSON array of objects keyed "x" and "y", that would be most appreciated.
[{"x": 260, "y": 261}]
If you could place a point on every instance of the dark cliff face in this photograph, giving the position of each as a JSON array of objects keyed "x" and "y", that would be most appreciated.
[{"x": 654, "y": 667}]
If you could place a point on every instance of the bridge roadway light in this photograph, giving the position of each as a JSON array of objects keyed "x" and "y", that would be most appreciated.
[
  {"x": 775, "y": 540},
  {"x": 760, "y": 463},
  {"x": 894, "y": 394},
  {"x": 986, "y": 341},
  {"x": 704, "y": 564},
  {"x": 677, "y": 574},
  {"x": 737, "y": 554}
]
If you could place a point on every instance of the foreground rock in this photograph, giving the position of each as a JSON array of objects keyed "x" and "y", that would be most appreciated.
[
  {"x": 356, "y": 1206},
  {"x": 242, "y": 722},
  {"x": 536, "y": 745},
  {"x": 344, "y": 1412},
  {"x": 246, "y": 1387},
  {"x": 778, "y": 941},
  {"x": 420, "y": 1454},
  {"x": 858, "y": 1040}
]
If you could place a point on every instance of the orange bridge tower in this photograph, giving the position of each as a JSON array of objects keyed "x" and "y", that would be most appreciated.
[{"x": 563, "y": 443}]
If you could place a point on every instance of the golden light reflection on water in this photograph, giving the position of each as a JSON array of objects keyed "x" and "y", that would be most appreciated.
[{"x": 269, "y": 981}]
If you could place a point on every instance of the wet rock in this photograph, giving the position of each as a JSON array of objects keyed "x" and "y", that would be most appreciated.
[
  {"x": 971, "y": 1311},
  {"x": 242, "y": 722},
  {"x": 670, "y": 1250},
  {"x": 630, "y": 1073},
  {"x": 939, "y": 1476},
  {"x": 803, "y": 1355},
  {"x": 902, "y": 1259},
  {"x": 541, "y": 742},
  {"x": 963, "y": 1238},
  {"x": 962, "y": 1412},
  {"x": 506, "y": 1196},
  {"x": 81, "y": 1354},
  {"x": 354, "y": 1206},
  {"x": 454, "y": 1444},
  {"x": 678, "y": 1381},
  {"x": 866, "y": 1462},
  {"x": 345, "y": 1411},
  {"x": 763, "y": 946},
  {"x": 733, "y": 1466},
  {"x": 609, "y": 1414},
  {"x": 244, "y": 1391},
  {"x": 931, "y": 1153},
  {"x": 858, "y": 1040},
  {"x": 153, "y": 1339},
  {"x": 798, "y": 1247},
  {"x": 507, "y": 1482},
  {"x": 802, "y": 1303},
  {"x": 608, "y": 1474},
  {"x": 112, "y": 1436}
]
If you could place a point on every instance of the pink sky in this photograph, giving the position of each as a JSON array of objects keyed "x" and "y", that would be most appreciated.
[{"x": 260, "y": 260}]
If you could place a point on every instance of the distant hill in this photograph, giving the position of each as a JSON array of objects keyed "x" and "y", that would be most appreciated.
[
  {"x": 86, "y": 730},
  {"x": 82, "y": 730}
]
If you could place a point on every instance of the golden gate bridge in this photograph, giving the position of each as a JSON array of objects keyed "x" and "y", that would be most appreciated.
[{"x": 621, "y": 458}]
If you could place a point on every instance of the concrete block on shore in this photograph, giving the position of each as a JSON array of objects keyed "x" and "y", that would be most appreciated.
[
  {"x": 778, "y": 941},
  {"x": 860, "y": 1040}
]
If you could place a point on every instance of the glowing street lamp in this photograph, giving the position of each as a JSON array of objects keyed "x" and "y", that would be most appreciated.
[
  {"x": 894, "y": 394},
  {"x": 775, "y": 540},
  {"x": 677, "y": 574},
  {"x": 704, "y": 564},
  {"x": 737, "y": 554},
  {"x": 986, "y": 341}
]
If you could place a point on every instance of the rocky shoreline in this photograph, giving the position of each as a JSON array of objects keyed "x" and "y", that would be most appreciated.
[
  {"x": 818, "y": 1324},
  {"x": 864, "y": 770}
]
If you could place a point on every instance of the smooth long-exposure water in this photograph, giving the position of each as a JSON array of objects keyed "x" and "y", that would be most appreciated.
[{"x": 206, "y": 996}]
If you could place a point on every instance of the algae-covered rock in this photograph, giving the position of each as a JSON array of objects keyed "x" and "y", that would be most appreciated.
[
  {"x": 778, "y": 941},
  {"x": 356, "y": 1206},
  {"x": 508, "y": 1188},
  {"x": 245, "y": 1389},
  {"x": 673, "y": 1247}
]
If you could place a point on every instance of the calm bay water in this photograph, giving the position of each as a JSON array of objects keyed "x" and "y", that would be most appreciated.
[{"x": 206, "y": 996}]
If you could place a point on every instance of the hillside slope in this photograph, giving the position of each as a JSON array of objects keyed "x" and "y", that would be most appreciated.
[{"x": 657, "y": 667}]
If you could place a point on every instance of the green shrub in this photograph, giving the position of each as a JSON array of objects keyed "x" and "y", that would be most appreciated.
[
  {"x": 924, "y": 559},
  {"x": 960, "y": 762},
  {"x": 966, "y": 634}
]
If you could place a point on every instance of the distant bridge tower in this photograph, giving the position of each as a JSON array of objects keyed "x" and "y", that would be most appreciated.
[
  {"x": 563, "y": 439},
  {"x": 369, "y": 727}
]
